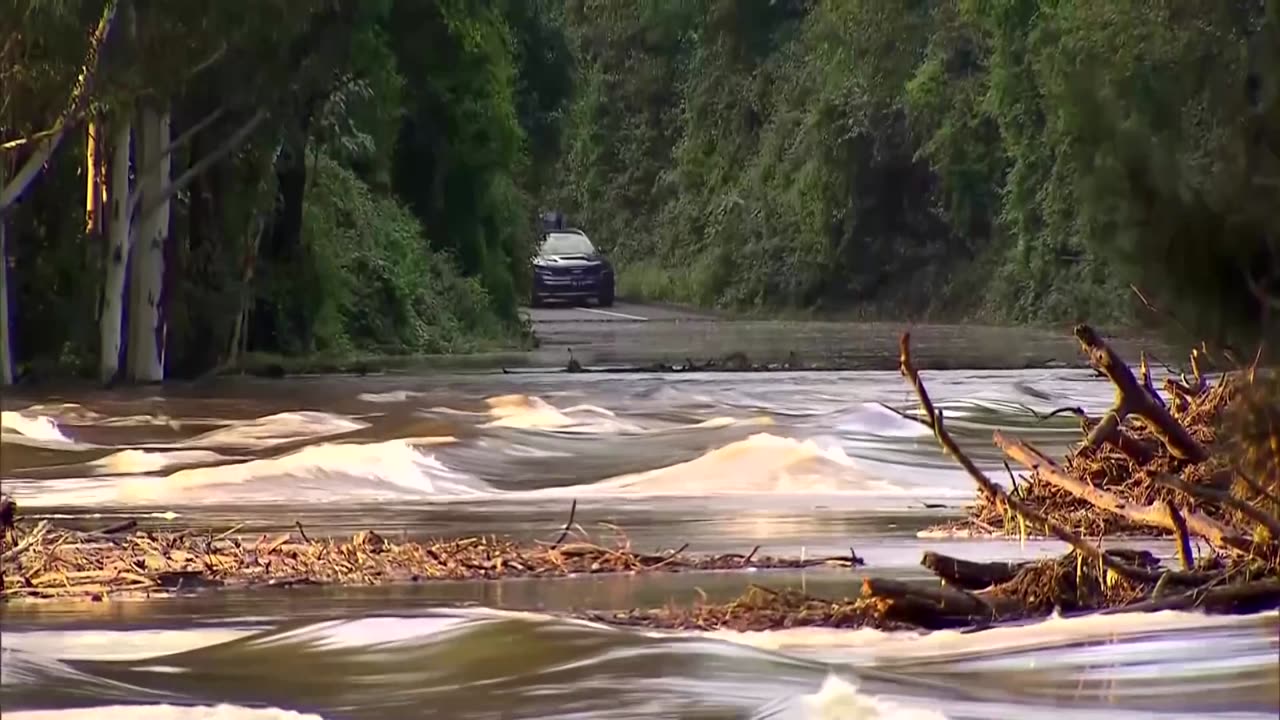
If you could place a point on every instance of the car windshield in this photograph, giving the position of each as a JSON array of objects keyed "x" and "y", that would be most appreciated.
[{"x": 566, "y": 244}]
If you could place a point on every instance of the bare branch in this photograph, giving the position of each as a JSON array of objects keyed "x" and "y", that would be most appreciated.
[
  {"x": 192, "y": 131},
  {"x": 231, "y": 143}
]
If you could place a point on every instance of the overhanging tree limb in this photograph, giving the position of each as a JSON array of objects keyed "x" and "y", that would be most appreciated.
[
  {"x": 190, "y": 132},
  {"x": 231, "y": 143},
  {"x": 176, "y": 144},
  {"x": 79, "y": 96}
]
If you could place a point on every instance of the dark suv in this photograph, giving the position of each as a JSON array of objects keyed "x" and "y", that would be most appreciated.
[{"x": 569, "y": 267}]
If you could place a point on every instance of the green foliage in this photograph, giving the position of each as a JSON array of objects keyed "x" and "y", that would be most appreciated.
[
  {"x": 460, "y": 155},
  {"x": 410, "y": 135},
  {"x": 1010, "y": 160},
  {"x": 368, "y": 280}
]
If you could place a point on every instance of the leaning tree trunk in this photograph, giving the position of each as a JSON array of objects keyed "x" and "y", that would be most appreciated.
[
  {"x": 146, "y": 280},
  {"x": 109, "y": 322},
  {"x": 6, "y": 362}
]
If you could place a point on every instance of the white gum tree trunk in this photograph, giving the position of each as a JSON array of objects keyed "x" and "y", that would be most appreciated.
[
  {"x": 109, "y": 323},
  {"x": 147, "y": 329}
]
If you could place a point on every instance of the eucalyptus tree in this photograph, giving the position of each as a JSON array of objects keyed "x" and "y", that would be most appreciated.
[{"x": 48, "y": 74}]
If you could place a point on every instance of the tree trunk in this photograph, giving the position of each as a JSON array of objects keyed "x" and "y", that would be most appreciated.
[
  {"x": 274, "y": 323},
  {"x": 95, "y": 191},
  {"x": 252, "y": 241},
  {"x": 6, "y": 362},
  {"x": 109, "y": 323},
  {"x": 146, "y": 274}
]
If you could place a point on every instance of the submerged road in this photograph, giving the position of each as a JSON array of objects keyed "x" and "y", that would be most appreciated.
[{"x": 629, "y": 334}]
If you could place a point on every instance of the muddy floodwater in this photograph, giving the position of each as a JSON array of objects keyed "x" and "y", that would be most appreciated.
[{"x": 796, "y": 463}]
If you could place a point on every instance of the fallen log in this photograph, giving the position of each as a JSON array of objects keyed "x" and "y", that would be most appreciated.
[
  {"x": 967, "y": 574},
  {"x": 1044, "y": 468},
  {"x": 1244, "y": 597},
  {"x": 931, "y": 607},
  {"x": 1133, "y": 399}
]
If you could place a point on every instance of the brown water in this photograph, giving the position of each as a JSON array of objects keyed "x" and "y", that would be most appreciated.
[{"x": 797, "y": 463}]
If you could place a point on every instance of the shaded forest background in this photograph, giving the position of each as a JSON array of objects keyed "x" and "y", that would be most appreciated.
[{"x": 366, "y": 175}]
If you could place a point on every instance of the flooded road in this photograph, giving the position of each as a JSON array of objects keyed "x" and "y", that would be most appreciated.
[{"x": 796, "y": 463}]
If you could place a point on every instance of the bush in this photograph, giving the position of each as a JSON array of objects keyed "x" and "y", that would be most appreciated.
[{"x": 368, "y": 279}]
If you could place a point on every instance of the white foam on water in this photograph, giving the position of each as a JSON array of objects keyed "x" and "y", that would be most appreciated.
[
  {"x": 534, "y": 413},
  {"x": 163, "y": 712},
  {"x": 275, "y": 429},
  {"x": 389, "y": 468},
  {"x": 133, "y": 462},
  {"x": 393, "y": 396},
  {"x": 838, "y": 699},
  {"x": 867, "y": 645},
  {"x": 37, "y": 427},
  {"x": 117, "y": 645},
  {"x": 875, "y": 419},
  {"x": 368, "y": 632},
  {"x": 761, "y": 463},
  {"x": 336, "y": 472}
]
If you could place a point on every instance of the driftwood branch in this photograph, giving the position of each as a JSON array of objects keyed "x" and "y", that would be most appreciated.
[
  {"x": 1044, "y": 468},
  {"x": 967, "y": 574},
  {"x": 1184, "y": 538},
  {"x": 1208, "y": 598},
  {"x": 1223, "y": 498},
  {"x": 929, "y": 607},
  {"x": 1027, "y": 513},
  {"x": 1133, "y": 399}
]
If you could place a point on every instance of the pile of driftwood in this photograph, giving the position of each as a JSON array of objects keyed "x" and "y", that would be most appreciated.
[
  {"x": 1149, "y": 463},
  {"x": 40, "y": 561}
]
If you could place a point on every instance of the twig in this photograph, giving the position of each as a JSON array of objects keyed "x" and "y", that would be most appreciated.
[
  {"x": 1184, "y": 541},
  {"x": 228, "y": 533},
  {"x": 303, "y": 533},
  {"x": 1077, "y": 411},
  {"x": 1145, "y": 374},
  {"x": 905, "y": 416},
  {"x": 27, "y": 542},
  {"x": 573, "y": 510},
  {"x": 670, "y": 557},
  {"x": 119, "y": 527}
]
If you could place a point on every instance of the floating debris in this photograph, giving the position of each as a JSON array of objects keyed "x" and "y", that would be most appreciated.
[{"x": 41, "y": 561}]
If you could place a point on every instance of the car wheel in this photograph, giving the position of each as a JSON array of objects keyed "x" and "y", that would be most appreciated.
[{"x": 606, "y": 295}]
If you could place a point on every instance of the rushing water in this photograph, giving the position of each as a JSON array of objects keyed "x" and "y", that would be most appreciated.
[{"x": 796, "y": 463}]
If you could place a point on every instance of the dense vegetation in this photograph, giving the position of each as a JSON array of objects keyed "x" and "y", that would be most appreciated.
[
  {"x": 187, "y": 181},
  {"x": 183, "y": 182},
  {"x": 1010, "y": 160}
]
